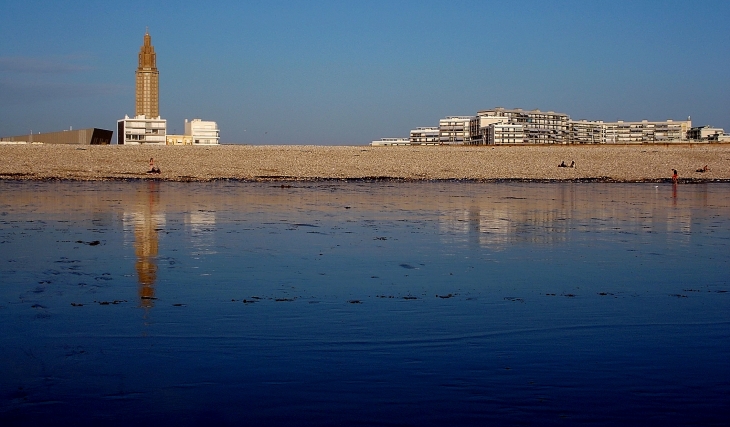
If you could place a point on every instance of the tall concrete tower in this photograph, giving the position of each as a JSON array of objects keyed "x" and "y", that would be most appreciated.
[{"x": 148, "y": 78}]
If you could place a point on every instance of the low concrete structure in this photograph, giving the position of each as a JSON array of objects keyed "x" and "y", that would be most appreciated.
[
  {"x": 91, "y": 136},
  {"x": 179, "y": 140},
  {"x": 386, "y": 142}
]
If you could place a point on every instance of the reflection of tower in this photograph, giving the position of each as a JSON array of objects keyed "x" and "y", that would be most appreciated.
[
  {"x": 147, "y": 92},
  {"x": 146, "y": 245}
]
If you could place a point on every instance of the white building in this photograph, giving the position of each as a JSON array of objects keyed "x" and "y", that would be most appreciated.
[
  {"x": 425, "y": 136},
  {"x": 501, "y": 133},
  {"x": 202, "y": 132},
  {"x": 455, "y": 130},
  {"x": 141, "y": 130},
  {"x": 480, "y": 128},
  {"x": 518, "y": 126},
  {"x": 539, "y": 127},
  {"x": 643, "y": 132},
  {"x": 387, "y": 142},
  {"x": 587, "y": 132},
  {"x": 706, "y": 133}
]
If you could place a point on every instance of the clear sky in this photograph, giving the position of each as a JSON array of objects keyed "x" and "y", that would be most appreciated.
[{"x": 345, "y": 72}]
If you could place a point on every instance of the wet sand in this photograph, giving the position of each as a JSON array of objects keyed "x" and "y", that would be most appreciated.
[{"x": 640, "y": 163}]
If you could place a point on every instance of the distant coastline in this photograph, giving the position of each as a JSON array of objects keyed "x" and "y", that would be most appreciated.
[{"x": 604, "y": 163}]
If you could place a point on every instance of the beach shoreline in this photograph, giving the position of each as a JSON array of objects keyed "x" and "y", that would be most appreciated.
[{"x": 534, "y": 163}]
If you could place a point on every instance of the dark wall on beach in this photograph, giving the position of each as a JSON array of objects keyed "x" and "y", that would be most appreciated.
[{"x": 91, "y": 136}]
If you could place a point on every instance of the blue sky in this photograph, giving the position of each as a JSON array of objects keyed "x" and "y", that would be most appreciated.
[{"x": 345, "y": 73}]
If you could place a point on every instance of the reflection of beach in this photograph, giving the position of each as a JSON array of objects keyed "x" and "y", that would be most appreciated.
[{"x": 145, "y": 220}]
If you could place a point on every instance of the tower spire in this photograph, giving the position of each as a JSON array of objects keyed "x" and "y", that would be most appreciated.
[{"x": 147, "y": 92}]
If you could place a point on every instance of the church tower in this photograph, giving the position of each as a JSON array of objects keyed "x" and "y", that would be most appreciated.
[{"x": 148, "y": 94}]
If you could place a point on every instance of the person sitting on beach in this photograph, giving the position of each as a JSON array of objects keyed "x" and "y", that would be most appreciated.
[
  {"x": 562, "y": 165},
  {"x": 153, "y": 168},
  {"x": 572, "y": 163},
  {"x": 675, "y": 177},
  {"x": 703, "y": 170}
]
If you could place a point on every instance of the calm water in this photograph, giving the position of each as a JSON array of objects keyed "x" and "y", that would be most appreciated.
[{"x": 364, "y": 304}]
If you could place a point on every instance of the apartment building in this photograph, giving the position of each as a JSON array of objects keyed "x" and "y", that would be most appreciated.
[
  {"x": 455, "y": 130},
  {"x": 202, "y": 132},
  {"x": 479, "y": 128},
  {"x": 586, "y": 132},
  {"x": 517, "y": 126},
  {"x": 141, "y": 130},
  {"x": 538, "y": 127},
  {"x": 705, "y": 133},
  {"x": 425, "y": 136},
  {"x": 501, "y": 133},
  {"x": 643, "y": 132}
]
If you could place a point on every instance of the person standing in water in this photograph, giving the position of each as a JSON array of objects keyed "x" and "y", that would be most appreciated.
[{"x": 675, "y": 177}]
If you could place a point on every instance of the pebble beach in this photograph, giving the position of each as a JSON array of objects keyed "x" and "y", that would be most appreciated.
[{"x": 610, "y": 163}]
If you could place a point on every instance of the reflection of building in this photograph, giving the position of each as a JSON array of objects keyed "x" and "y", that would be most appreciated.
[
  {"x": 145, "y": 221},
  {"x": 497, "y": 228},
  {"x": 549, "y": 215},
  {"x": 92, "y": 136},
  {"x": 202, "y": 224}
]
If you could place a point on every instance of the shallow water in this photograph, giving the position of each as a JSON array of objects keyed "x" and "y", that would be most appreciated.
[{"x": 364, "y": 303}]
